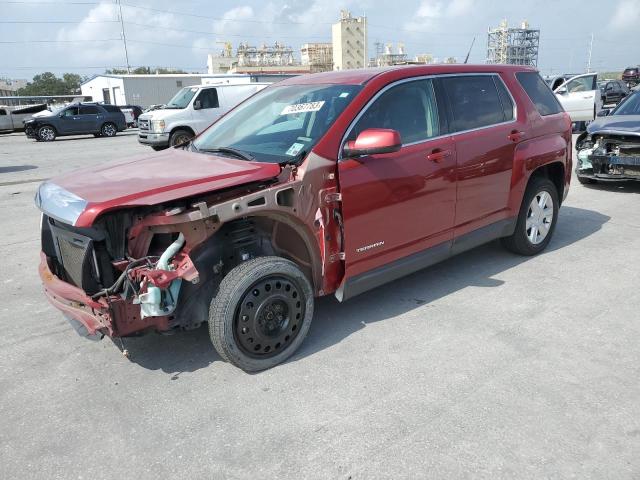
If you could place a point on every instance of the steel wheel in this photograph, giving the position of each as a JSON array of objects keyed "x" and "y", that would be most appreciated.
[
  {"x": 269, "y": 316},
  {"x": 108, "y": 130},
  {"x": 47, "y": 134},
  {"x": 179, "y": 137},
  {"x": 539, "y": 217}
]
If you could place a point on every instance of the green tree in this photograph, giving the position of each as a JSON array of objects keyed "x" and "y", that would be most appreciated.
[{"x": 48, "y": 84}]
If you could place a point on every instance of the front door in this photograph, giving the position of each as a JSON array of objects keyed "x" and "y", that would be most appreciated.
[
  {"x": 68, "y": 123},
  {"x": 206, "y": 108},
  {"x": 402, "y": 203},
  {"x": 579, "y": 96},
  {"x": 485, "y": 132}
]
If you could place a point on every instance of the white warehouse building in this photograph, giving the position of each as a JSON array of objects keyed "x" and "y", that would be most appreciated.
[{"x": 145, "y": 90}]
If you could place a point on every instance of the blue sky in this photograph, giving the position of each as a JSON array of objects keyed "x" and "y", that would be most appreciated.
[{"x": 84, "y": 36}]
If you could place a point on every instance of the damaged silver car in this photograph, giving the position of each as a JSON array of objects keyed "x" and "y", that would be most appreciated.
[{"x": 610, "y": 148}]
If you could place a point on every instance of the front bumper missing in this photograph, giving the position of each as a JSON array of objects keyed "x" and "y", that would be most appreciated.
[
  {"x": 91, "y": 318},
  {"x": 609, "y": 167}
]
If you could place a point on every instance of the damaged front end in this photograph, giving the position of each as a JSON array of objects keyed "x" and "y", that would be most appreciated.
[{"x": 608, "y": 155}]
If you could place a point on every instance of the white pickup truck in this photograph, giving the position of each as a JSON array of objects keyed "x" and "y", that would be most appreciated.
[
  {"x": 12, "y": 119},
  {"x": 191, "y": 111}
]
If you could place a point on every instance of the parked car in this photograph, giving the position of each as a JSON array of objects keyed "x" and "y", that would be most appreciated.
[
  {"x": 329, "y": 183},
  {"x": 13, "y": 118},
  {"x": 613, "y": 92},
  {"x": 610, "y": 148},
  {"x": 191, "y": 111},
  {"x": 631, "y": 76},
  {"x": 580, "y": 97},
  {"x": 77, "y": 119}
]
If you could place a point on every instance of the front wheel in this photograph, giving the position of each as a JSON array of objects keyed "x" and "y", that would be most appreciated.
[
  {"x": 261, "y": 314},
  {"x": 537, "y": 218},
  {"x": 179, "y": 137},
  {"x": 47, "y": 134}
]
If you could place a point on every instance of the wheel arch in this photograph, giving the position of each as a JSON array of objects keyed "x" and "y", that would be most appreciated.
[
  {"x": 554, "y": 171},
  {"x": 182, "y": 127}
]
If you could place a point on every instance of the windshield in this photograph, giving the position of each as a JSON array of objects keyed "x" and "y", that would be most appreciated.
[
  {"x": 629, "y": 106},
  {"x": 280, "y": 124},
  {"x": 182, "y": 98}
]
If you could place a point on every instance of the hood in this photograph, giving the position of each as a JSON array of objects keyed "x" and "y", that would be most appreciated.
[
  {"x": 162, "y": 114},
  {"x": 616, "y": 124},
  {"x": 81, "y": 196}
]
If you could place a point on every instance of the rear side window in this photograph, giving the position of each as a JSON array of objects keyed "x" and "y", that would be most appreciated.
[
  {"x": 111, "y": 108},
  {"x": 539, "y": 93},
  {"x": 474, "y": 102},
  {"x": 89, "y": 110},
  {"x": 409, "y": 107},
  {"x": 208, "y": 98}
]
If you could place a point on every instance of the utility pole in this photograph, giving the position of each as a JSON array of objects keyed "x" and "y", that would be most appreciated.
[
  {"x": 124, "y": 37},
  {"x": 590, "y": 51}
]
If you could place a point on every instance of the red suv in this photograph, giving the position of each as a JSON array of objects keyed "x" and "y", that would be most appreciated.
[{"x": 333, "y": 183}]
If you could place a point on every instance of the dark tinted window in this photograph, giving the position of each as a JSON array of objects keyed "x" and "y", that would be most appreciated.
[
  {"x": 540, "y": 94},
  {"x": 505, "y": 99},
  {"x": 474, "y": 101},
  {"x": 208, "y": 98},
  {"x": 111, "y": 108},
  {"x": 89, "y": 110},
  {"x": 410, "y": 108},
  {"x": 2, "y": 112},
  {"x": 70, "y": 112}
]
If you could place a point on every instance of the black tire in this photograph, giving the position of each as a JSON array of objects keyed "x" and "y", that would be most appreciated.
[
  {"x": 519, "y": 242},
  {"x": 157, "y": 148},
  {"x": 586, "y": 180},
  {"x": 261, "y": 313},
  {"x": 179, "y": 137},
  {"x": 108, "y": 130},
  {"x": 47, "y": 133}
]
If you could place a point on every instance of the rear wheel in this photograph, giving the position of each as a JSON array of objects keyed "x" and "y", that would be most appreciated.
[
  {"x": 179, "y": 137},
  {"x": 108, "y": 130},
  {"x": 261, "y": 314},
  {"x": 537, "y": 218},
  {"x": 47, "y": 133}
]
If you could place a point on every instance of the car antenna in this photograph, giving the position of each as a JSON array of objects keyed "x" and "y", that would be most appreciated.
[{"x": 469, "y": 52}]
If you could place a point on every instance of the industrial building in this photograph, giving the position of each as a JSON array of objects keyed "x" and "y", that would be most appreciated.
[
  {"x": 385, "y": 56},
  {"x": 513, "y": 46},
  {"x": 148, "y": 90},
  {"x": 349, "y": 38},
  {"x": 318, "y": 56},
  {"x": 9, "y": 87}
]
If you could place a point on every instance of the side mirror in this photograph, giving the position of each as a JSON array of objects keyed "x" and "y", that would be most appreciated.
[
  {"x": 562, "y": 90},
  {"x": 604, "y": 112},
  {"x": 197, "y": 105},
  {"x": 373, "y": 141}
]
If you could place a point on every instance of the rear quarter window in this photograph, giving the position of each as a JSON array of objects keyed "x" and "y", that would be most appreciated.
[
  {"x": 474, "y": 101},
  {"x": 111, "y": 108},
  {"x": 539, "y": 93}
]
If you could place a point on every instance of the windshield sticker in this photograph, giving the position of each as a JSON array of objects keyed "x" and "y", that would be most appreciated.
[
  {"x": 344, "y": 94},
  {"x": 302, "y": 107},
  {"x": 296, "y": 147}
]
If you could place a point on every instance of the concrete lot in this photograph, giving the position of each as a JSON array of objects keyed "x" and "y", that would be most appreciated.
[{"x": 486, "y": 366}]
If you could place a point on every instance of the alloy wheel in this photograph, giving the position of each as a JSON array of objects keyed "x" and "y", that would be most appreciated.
[
  {"x": 47, "y": 134},
  {"x": 108, "y": 130}
]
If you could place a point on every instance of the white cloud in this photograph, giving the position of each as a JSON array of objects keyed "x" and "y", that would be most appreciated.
[
  {"x": 430, "y": 11},
  {"x": 626, "y": 15},
  {"x": 112, "y": 52}
]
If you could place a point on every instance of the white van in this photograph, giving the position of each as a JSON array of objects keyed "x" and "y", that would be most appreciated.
[{"x": 190, "y": 112}]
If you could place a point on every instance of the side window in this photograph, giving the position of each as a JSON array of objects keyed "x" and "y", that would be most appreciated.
[
  {"x": 539, "y": 93},
  {"x": 208, "y": 98},
  {"x": 89, "y": 110},
  {"x": 2, "y": 112},
  {"x": 410, "y": 108},
  {"x": 505, "y": 98},
  {"x": 474, "y": 101},
  {"x": 582, "y": 84},
  {"x": 70, "y": 112}
]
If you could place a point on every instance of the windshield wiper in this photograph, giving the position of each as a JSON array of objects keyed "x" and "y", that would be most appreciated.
[{"x": 233, "y": 151}]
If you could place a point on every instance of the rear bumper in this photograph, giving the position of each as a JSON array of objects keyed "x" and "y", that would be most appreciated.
[
  {"x": 92, "y": 318},
  {"x": 154, "y": 139}
]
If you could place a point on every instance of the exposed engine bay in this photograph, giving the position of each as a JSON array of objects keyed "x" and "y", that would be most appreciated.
[{"x": 608, "y": 156}]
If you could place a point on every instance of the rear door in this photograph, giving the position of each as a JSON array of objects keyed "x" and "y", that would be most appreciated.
[
  {"x": 89, "y": 120},
  {"x": 5, "y": 120},
  {"x": 580, "y": 97},
  {"x": 486, "y": 131},
  {"x": 207, "y": 110},
  {"x": 400, "y": 203}
]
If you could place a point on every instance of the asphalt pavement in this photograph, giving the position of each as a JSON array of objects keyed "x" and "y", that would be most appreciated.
[{"x": 488, "y": 365}]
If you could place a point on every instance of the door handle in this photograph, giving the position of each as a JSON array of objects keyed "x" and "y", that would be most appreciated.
[
  {"x": 515, "y": 135},
  {"x": 438, "y": 155}
]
